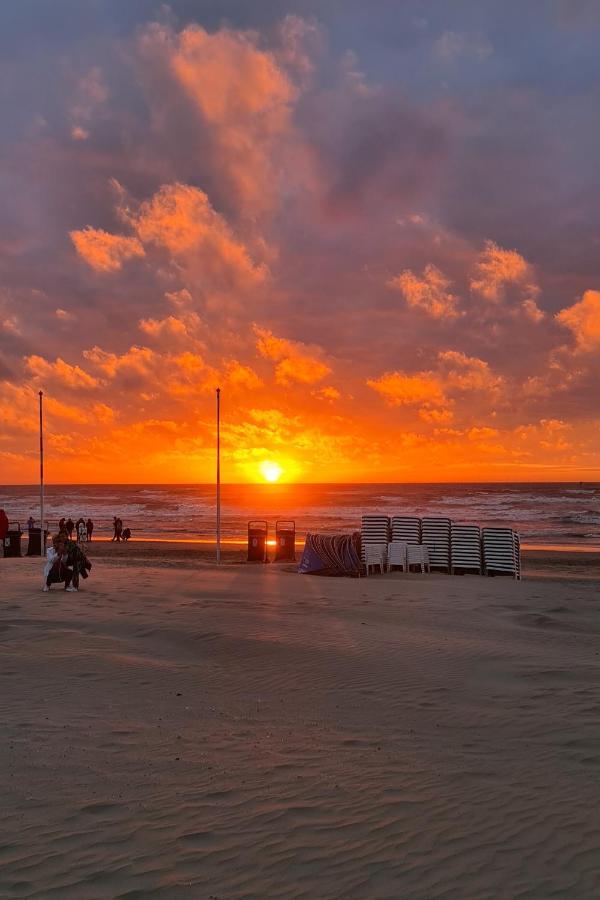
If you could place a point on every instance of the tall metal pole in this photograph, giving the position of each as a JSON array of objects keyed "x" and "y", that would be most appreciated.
[
  {"x": 42, "y": 541},
  {"x": 218, "y": 476}
]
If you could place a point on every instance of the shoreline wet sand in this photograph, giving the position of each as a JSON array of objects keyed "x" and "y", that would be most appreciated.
[{"x": 175, "y": 730}]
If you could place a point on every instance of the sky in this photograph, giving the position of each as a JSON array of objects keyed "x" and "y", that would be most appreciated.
[{"x": 376, "y": 227}]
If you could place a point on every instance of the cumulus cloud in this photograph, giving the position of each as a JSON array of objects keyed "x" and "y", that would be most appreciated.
[
  {"x": 468, "y": 373},
  {"x": 583, "y": 320},
  {"x": 240, "y": 95},
  {"x": 497, "y": 269},
  {"x": 137, "y": 361},
  {"x": 403, "y": 389},
  {"x": 180, "y": 218},
  {"x": 328, "y": 393},
  {"x": 105, "y": 252},
  {"x": 430, "y": 292},
  {"x": 239, "y": 376},
  {"x": 294, "y": 361},
  {"x": 60, "y": 371}
]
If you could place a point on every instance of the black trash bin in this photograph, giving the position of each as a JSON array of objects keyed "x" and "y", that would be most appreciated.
[
  {"x": 34, "y": 547},
  {"x": 285, "y": 540},
  {"x": 258, "y": 531},
  {"x": 12, "y": 541}
]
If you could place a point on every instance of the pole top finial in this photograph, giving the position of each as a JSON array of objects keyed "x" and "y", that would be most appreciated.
[
  {"x": 41, "y": 393},
  {"x": 218, "y": 390}
]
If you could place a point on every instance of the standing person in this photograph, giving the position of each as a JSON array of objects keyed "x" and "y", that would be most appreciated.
[
  {"x": 89, "y": 527},
  {"x": 61, "y": 525},
  {"x": 3, "y": 524},
  {"x": 30, "y": 523},
  {"x": 80, "y": 530},
  {"x": 114, "y": 537},
  {"x": 69, "y": 526},
  {"x": 119, "y": 528}
]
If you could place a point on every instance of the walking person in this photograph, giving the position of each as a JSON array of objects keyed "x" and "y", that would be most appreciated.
[
  {"x": 69, "y": 526},
  {"x": 89, "y": 527},
  {"x": 119, "y": 528},
  {"x": 61, "y": 525},
  {"x": 114, "y": 537}
]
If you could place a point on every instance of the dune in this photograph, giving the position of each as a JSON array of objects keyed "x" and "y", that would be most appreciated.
[{"x": 176, "y": 730}]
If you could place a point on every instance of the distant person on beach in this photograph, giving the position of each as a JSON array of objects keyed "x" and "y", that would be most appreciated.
[
  {"x": 80, "y": 530},
  {"x": 30, "y": 523},
  {"x": 61, "y": 525},
  {"x": 56, "y": 570},
  {"x": 3, "y": 524},
  {"x": 118, "y": 528},
  {"x": 89, "y": 527},
  {"x": 69, "y": 526},
  {"x": 126, "y": 534}
]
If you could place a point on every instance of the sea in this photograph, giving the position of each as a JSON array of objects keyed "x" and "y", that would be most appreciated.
[{"x": 564, "y": 516}]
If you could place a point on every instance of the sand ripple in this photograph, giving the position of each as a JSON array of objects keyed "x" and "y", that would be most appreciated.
[{"x": 256, "y": 734}]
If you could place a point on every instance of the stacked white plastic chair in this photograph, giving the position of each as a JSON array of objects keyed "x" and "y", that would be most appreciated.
[
  {"x": 375, "y": 555},
  {"x": 407, "y": 529},
  {"x": 396, "y": 555},
  {"x": 435, "y": 534},
  {"x": 465, "y": 548},
  {"x": 501, "y": 552},
  {"x": 375, "y": 529},
  {"x": 417, "y": 555}
]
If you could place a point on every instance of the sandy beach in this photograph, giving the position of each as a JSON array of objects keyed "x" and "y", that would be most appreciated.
[{"x": 174, "y": 730}]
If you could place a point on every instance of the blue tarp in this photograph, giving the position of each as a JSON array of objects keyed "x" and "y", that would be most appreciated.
[{"x": 331, "y": 554}]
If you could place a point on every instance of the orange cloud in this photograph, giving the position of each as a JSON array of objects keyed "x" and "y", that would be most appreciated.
[
  {"x": 137, "y": 360},
  {"x": 583, "y": 320},
  {"x": 327, "y": 393},
  {"x": 467, "y": 373},
  {"x": 240, "y": 376},
  {"x": 71, "y": 376},
  {"x": 103, "y": 251},
  {"x": 241, "y": 95},
  {"x": 402, "y": 389},
  {"x": 294, "y": 362},
  {"x": 429, "y": 293},
  {"x": 436, "y": 416},
  {"x": 171, "y": 326},
  {"x": 181, "y": 219},
  {"x": 498, "y": 268}
]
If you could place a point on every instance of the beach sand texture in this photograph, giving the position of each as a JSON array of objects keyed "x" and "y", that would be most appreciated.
[{"x": 179, "y": 731}]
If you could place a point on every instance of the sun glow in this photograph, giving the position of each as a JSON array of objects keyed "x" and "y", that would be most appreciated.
[{"x": 270, "y": 471}]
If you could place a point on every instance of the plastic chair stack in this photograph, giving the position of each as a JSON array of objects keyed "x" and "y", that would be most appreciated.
[
  {"x": 465, "y": 548},
  {"x": 375, "y": 555},
  {"x": 435, "y": 534},
  {"x": 417, "y": 555},
  {"x": 375, "y": 529},
  {"x": 501, "y": 552},
  {"x": 407, "y": 529},
  {"x": 396, "y": 555}
]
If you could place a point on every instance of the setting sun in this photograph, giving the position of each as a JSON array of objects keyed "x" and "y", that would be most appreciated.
[{"x": 270, "y": 471}]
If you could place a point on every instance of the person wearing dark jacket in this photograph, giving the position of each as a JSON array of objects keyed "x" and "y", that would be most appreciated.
[
  {"x": 89, "y": 527},
  {"x": 3, "y": 524}
]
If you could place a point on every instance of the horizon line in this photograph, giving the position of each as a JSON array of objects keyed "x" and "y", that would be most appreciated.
[{"x": 279, "y": 484}]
